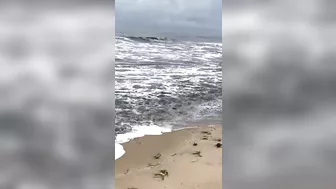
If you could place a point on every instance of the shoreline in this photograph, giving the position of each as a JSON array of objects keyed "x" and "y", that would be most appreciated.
[
  {"x": 175, "y": 152},
  {"x": 142, "y": 131}
]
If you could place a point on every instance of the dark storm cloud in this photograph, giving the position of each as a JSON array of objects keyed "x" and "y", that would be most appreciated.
[{"x": 177, "y": 17}]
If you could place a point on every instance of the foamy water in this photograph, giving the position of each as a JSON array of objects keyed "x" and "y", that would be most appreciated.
[
  {"x": 162, "y": 83},
  {"x": 137, "y": 131}
]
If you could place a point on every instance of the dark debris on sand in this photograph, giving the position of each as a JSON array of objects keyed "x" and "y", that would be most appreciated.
[
  {"x": 197, "y": 153},
  {"x": 153, "y": 165},
  {"x": 163, "y": 173},
  {"x": 157, "y": 156},
  {"x": 206, "y": 132}
]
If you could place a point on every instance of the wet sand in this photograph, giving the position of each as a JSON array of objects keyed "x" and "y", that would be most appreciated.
[{"x": 186, "y": 170}]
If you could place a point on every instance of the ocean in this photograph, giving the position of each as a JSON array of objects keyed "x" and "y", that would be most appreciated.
[{"x": 162, "y": 84}]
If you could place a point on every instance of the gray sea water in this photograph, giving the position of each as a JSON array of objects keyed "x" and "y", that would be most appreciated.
[{"x": 166, "y": 82}]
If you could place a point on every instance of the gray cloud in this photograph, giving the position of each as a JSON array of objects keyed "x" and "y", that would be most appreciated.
[{"x": 177, "y": 17}]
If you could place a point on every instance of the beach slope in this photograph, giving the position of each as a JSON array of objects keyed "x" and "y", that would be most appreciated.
[{"x": 190, "y": 158}]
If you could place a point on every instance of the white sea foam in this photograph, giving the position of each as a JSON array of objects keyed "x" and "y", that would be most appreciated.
[
  {"x": 119, "y": 150},
  {"x": 149, "y": 72},
  {"x": 137, "y": 131}
]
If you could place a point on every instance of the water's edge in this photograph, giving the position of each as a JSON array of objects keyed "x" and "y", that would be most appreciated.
[{"x": 155, "y": 130}]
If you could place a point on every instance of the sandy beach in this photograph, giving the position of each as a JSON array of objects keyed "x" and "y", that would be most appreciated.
[{"x": 186, "y": 159}]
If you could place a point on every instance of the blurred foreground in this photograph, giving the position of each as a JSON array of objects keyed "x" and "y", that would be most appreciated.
[
  {"x": 56, "y": 88},
  {"x": 279, "y": 94}
]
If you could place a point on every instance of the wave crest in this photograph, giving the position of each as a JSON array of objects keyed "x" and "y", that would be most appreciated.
[{"x": 146, "y": 39}]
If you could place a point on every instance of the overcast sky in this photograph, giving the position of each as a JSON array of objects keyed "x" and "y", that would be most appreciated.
[{"x": 175, "y": 17}]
